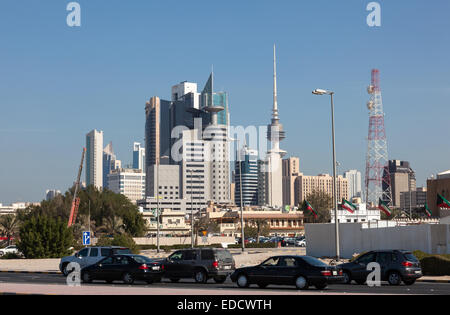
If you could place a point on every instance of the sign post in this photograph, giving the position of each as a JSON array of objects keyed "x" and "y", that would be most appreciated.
[{"x": 86, "y": 238}]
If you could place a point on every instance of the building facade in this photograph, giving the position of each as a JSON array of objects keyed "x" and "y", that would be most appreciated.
[
  {"x": 354, "y": 183},
  {"x": 138, "y": 157},
  {"x": 128, "y": 182},
  {"x": 438, "y": 185},
  {"x": 402, "y": 178},
  {"x": 247, "y": 165},
  {"x": 94, "y": 159},
  {"x": 291, "y": 169},
  {"x": 305, "y": 185}
]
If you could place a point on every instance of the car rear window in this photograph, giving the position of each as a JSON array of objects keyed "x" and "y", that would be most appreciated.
[
  {"x": 410, "y": 257},
  {"x": 105, "y": 252},
  {"x": 207, "y": 254},
  {"x": 314, "y": 261},
  {"x": 224, "y": 255}
]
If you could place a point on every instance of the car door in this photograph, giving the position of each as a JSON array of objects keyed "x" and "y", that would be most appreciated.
[
  {"x": 265, "y": 272},
  {"x": 93, "y": 256},
  {"x": 384, "y": 259},
  {"x": 286, "y": 270},
  {"x": 83, "y": 257},
  {"x": 173, "y": 264},
  {"x": 103, "y": 269},
  {"x": 359, "y": 271},
  {"x": 188, "y": 263}
]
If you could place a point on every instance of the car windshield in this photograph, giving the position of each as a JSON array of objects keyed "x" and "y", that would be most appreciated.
[
  {"x": 314, "y": 261},
  {"x": 410, "y": 257}
]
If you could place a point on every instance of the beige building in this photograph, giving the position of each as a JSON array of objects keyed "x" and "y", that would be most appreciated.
[
  {"x": 128, "y": 182},
  {"x": 172, "y": 222},
  {"x": 291, "y": 170},
  {"x": 281, "y": 223},
  {"x": 305, "y": 185}
]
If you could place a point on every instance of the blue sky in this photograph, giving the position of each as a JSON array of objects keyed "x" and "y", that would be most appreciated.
[{"x": 57, "y": 83}]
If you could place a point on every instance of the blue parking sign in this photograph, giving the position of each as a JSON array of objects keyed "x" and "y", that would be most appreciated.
[{"x": 86, "y": 238}]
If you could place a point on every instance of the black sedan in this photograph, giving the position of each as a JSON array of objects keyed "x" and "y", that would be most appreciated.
[
  {"x": 127, "y": 268},
  {"x": 301, "y": 271}
]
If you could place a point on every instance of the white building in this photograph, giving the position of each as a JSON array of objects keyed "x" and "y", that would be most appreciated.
[
  {"x": 51, "y": 193},
  {"x": 354, "y": 183},
  {"x": 360, "y": 215},
  {"x": 179, "y": 90},
  {"x": 94, "y": 158},
  {"x": 138, "y": 156},
  {"x": 128, "y": 182}
]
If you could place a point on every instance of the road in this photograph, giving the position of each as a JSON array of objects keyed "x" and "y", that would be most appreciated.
[{"x": 190, "y": 287}]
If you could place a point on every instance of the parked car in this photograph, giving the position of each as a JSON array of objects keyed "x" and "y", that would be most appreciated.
[
  {"x": 11, "y": 249},
  {"x": 396, "y": 266},
  {"x": 90, "y": 255},
  {"x": 300, "y": 243},
  {"x": 300, "y": 271},
  {"x": 200, "y": 264},
  {"x": 127, "y": 268}
]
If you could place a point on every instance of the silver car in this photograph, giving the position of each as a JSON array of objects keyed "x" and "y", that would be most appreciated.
[{"x": 89, "y": 256}]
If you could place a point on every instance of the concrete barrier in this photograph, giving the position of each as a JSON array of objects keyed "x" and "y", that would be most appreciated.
[{"x": 355, "y": 238}]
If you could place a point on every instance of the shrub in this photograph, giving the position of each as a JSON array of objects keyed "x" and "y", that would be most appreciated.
[
  {"x": 433, "y": 265},
  {"x": 44, "y": 237}
]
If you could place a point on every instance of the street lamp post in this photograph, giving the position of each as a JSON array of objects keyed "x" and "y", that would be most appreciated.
[
  {"x": 336, "y": 220},
  {"x": 157, "y": 207},
  {"x": 192, "y": 212}
]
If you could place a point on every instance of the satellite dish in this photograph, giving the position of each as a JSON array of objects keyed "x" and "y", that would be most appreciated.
[
  {"x": 370, "y": 89},
  {"x": 370, "y": 105}
]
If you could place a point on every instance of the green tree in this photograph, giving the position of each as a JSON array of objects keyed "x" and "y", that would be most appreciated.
[
  {"x": 44, "y": 237},
  {"x": 322, "y": 203},
  {"x": 257, "y": 228},
  {"x": 9, "y": 225}
]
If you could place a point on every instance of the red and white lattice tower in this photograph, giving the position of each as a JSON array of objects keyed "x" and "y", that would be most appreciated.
[{"x": 378, "y": 183}]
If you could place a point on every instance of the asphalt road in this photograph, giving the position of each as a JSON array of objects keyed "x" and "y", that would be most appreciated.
[{"x": 418, "y": 288}]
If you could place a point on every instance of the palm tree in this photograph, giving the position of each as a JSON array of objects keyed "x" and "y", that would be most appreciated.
[{"x": 9, "y": 224}]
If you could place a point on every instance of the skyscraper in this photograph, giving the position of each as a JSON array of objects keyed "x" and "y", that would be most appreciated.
[
  {"x": 110, "y": 163},
  {"x": 94, "y": 159},
  {"x": 274, "y": 157},
  {"x": 291, "y": 169},
  {"x": 354, "y": 183},
  {"x": 402, "y": 179},
  {"x": 138, "y": 156},
  {"x": 248, "y": 160}
]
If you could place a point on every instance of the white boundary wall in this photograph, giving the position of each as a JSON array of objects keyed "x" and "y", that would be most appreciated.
[{"x": 354, "y": 238}]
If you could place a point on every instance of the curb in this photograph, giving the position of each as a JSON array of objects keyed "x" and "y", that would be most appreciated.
[
  {"x": 15, "y": 293},
  {"x": 434, "y": 281},
  {"x": 32, "y": 272}
]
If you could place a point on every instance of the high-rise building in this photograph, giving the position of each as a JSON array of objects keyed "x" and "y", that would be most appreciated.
[
  {"x": 247, "y": 162},
  {"x": 354, "y": 183},
  {"x": 274, "y": 157},
  {"x": 110, "y": 163},
  {"x": 413, "y": 199},
  {"x": 128, "y": 182},
  {"x": 51, "y": 194},
  {"x": 138, "y": 156},
  {"x": 305, "y": 185},
  {"x": 402, "y": 179},
  {"x": 94, "y": 159},
  {"x": 291, "y": 169}
]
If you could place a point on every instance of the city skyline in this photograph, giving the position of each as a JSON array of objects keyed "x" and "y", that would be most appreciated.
[{"x": 39, "y": 111}]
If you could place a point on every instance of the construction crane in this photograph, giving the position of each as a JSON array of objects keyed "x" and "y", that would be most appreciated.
[{"x": 76, "y": 200}]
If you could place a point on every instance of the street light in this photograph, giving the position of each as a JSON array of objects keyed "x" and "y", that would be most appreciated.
[
  {"x": 192, "y": 211},
  {"x": 336, "y": 220}
]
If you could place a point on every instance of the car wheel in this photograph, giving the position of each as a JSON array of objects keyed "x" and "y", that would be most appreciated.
[
  {"x": 301, "y": 283},
  {"x": 409, "y": 282},
  {"x": 1, "y": 254},
  {"x": 174, "y": 279},
  {"x": 127, "y": 278},
  {"x": 347, "y": 278},
  {"x": 394, "y": 278},
  {"x": 320, "y": 286},
  {"x": 242, "y": 281},
  {"x": 87, "y": 277},
  {"x": 220, "y": 279},
  {"x": 200, "y": 276},
  {"x": 262, "y": 285}
]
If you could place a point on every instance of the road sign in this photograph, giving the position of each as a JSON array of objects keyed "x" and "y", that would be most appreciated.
[{"x": 86, "y": 238}]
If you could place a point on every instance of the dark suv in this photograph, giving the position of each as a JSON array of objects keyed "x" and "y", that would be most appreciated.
[
  {"x": 200, "y": 264},
  {"x": 396, "y": 266}
]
